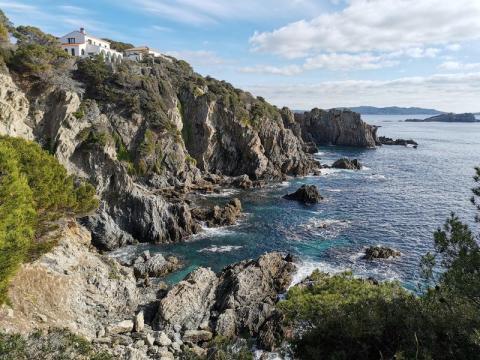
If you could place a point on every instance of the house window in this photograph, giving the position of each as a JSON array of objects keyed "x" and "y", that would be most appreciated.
[
  {"x": 66, "y": 50},
  {"x": 71, "y": 40},
  {"x": 73, "y": 52},
  {"x": 83, "y": 52}
]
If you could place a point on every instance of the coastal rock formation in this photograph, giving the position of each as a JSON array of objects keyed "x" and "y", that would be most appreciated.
[
  {"x": 161, "y": 128},
  {"x": 401, "y": 142},
  {"x": 241, "y": 298},
  {"x": 380, "y": 252},
  {"x": 347, "y": 164},
  {"x": 307, "y": 194},
  {"x": 218, "y": 216},
  {"x": 154, "y": 266},
  {"x": 450, "y": 117},
  {"x": 335, "y": 127},
  {"x": 71, "y": 287}
]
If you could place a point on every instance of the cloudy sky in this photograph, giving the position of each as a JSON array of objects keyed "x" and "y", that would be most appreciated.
[{"x": 299, "y": 53}]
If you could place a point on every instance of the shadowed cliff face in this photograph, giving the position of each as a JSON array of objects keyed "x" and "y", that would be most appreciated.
[
  {"x": 137, "y": 129},
  {"x": 335, "y": 127}
]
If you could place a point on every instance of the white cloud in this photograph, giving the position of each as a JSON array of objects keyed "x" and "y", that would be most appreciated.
[
  {"x": 288, "y": 70},
  {"x": 454, "y": 47},
  {"x": 376, "y": 25},
  {"x": 335, "y": 61},
  {"x": 450, "y": 92},
  {"x": 459, "y": 66}
]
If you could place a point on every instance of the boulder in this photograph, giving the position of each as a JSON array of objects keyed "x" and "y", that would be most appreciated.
[
  {"x": 307, "y": 194},
  {"x": 347, "y": 164},
  {"x": 196, "y": 336},
  {"x": 120, "y": 327},
  {"x": 399, "y": 142},
  {"x": 162, "y": 339},
  {"x": 189, "y": 302},
  {"x": 248, "y": 291},
  {"x": 218, "y": 216},
  {"x": 154, "y": 266},
  {"x": 226, "y": 324},
  {"x": 242, "y": 182},
  {"x": 380, "y": 252},
  {"x": 139, "y": 322}
]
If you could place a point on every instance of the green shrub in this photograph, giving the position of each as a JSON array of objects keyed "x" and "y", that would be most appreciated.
[
  {"x": 17, "y": 216},
  {"x": 36, "y": 60},
  {"x": 56, "y": 344},
  {"x": 35, "y": 192}
]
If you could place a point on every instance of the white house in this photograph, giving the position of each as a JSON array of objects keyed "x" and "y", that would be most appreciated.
[
  {"x": 141, "y": 52},
  {"x": 78, "y": 43}
]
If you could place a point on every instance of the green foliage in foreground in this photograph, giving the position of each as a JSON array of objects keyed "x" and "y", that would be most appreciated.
[
  {"x": 342, "y": 317},
  {"x": 35, "y": 191},
  {"x": 57, "y": 344}
]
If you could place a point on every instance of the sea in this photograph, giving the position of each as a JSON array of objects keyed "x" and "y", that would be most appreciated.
[{"x": 399, "y": 198}]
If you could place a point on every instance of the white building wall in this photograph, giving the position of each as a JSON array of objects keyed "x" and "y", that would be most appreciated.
[{"x": 80, "y": 44}]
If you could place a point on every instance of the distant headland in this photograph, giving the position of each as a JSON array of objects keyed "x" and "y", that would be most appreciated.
[{"x": 450, "y": 117}]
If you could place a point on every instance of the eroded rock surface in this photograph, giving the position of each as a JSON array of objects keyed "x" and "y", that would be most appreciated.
[
  {"x": 347, "y": 164},
  {"x": 307, "y": 194},
  {"x": 380, "y": 252}
]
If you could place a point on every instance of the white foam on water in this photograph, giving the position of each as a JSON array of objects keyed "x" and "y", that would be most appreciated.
[
  {"x": 214, "y": 232},
  {"x": 222, "y": 193},
  {"x": 377, "y": 177},
  {"x": 330, "y": 171},
  {"x": 305, "y": 269},
  {"x": 334, "y": 190},
  {"x": 366, "y": 168},
  {"x": 326, "y": 228},
  {"x": 319, "y": 153},
  {"x": 220, "y": 249}
]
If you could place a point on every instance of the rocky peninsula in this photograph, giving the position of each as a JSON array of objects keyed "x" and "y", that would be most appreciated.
[{"x": 450, "y": 118}]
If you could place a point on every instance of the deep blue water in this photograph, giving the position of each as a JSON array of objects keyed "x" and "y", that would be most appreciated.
[{"x": 399, "y": 198}]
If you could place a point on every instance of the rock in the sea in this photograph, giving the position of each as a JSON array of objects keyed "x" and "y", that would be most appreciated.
[
  {"x": 307, "y": 194},
  {"x": 347, "y": 164},
  {"x": 336, "y": 127},
  {"x": 450, "y": 117},
  {"x": 189, "y": 302},
  {"x": 218, "y": 216},
  {"x": 400, "y": 142},
  {"x": 380, "y": 252},
  {"x": 242, "y": 182}
]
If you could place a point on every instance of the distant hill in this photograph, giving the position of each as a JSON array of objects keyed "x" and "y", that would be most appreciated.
[
  {"x": 467, "y": 117},
  {"x": 394, "y": 110}
]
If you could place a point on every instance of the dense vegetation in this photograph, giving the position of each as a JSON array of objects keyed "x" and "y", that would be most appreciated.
[
  {"x": 35, "y": 192},
  {"x": 56, "y": 344},
  {"x": 347, "y": 318}
]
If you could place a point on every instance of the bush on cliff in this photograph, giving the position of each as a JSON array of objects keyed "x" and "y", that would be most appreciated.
[
  {"x": 35, "y": 192},
  {"x": 342, "y": 317}
]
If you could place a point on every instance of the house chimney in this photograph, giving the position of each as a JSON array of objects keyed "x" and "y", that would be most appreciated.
[{"x": 82, "y": 30}]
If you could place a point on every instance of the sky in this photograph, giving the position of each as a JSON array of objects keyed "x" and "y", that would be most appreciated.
[{"x": 298, "y": 53}]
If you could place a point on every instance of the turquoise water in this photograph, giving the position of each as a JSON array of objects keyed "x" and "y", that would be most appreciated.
[{"x": 399, "y": 198}]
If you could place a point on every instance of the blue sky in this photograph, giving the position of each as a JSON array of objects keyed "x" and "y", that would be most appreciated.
[{"x": 299, "y": 53}]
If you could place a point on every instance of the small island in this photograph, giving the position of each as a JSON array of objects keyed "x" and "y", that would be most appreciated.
[{"x": 450, "y": 117}]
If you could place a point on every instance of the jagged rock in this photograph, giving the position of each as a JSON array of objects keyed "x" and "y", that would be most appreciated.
[
  {"x": 94, "y": 290},
  {"x": 196, "y": 336},
  {"x": 154, "y": 266},
  {"x": 149, "y": 339},
  {"x": 307, "y": 194},
  {"x": 162, "y": 339},
  {"x": 347, "y": 164},
  {"x": 189, "y": 302},
  {"x": 139, "y": 322},
  {"x": 226, "y": 323},
  {"x": 250, "y": 289},
  {"x": 242, "y": 182},
  {"x": 218, "y": 216},
  {"x": 336, "y": 127},
  {"x": 198, "y": 351},
  {"x": 400, "y": 142},
  {"x": 380, "y": 252},
  {"x": 120, "y": 327}
]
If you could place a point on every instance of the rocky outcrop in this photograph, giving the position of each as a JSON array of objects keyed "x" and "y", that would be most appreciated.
[
  {"x": 347, "y": 164},
  {"x": 240, "y": 299},
  {"x": 400, "y": 142},
  {"x": 380, "y": 252},
  {"x": 70, "y": 287},
  {"x": 218, "y": 216},
  {"x": 14, "y": 108},
  {"x": 188, "y": 303},
  {"x": 335, "y": 127},
  {"x": 147, "y": 265},
  {"x": 450, "y": 117},
  {"x": 307, "y": 194}
]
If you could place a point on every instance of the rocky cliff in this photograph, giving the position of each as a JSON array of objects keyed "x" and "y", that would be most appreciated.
[{"x": 335, "y": 127}]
